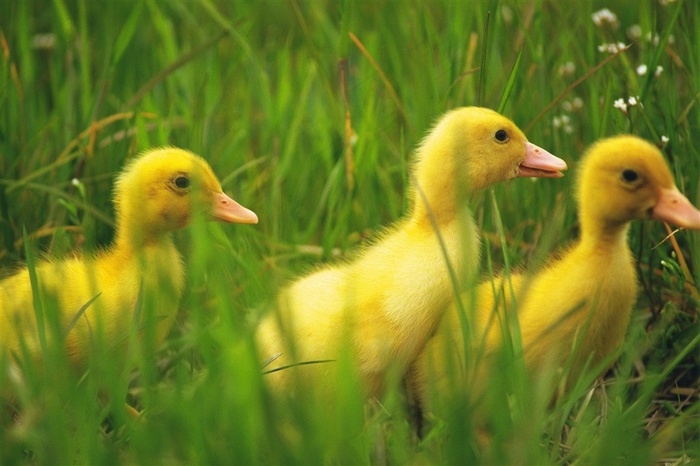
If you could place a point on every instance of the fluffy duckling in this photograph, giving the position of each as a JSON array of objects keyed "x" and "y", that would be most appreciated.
[
  {"x": 155, "y": 195},
  {"x": 575, "y": 311},
  {"x": 383, "y": 304}
]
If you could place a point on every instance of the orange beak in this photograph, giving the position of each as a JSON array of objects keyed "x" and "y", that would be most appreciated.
[
  {"x": 539, "y": 163},
  {"x": 673, "y": 207},
  {"x": 227, "y": 210}
]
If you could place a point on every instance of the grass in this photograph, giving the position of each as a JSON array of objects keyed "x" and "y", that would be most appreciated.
[{"x": 308, "y": 112}]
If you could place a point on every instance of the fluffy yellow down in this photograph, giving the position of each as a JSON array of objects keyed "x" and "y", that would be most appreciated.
[
  {"x": 379, "y": 308},
  {"x": 154, "y": 196},
  {"x": 576, "y": 310}
]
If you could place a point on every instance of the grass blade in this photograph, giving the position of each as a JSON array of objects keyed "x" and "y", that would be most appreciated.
[
  {"x": 37, "y": 296},
  {"x": 510, "y": 83}
]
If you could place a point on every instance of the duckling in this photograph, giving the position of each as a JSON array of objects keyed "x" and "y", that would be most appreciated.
[
  {"x": 575, "y": 311},
  {"x": 384, "y": 303},
  {"x": 155, "y": 195}
]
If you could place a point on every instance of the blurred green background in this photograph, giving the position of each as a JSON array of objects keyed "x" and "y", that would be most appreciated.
[{"x": 309, "y": 112}]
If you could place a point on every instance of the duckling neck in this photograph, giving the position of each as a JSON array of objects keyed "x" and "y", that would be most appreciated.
[
  {"x": 604, "y": 235},
  {"x": 133, "y": 239},
  {"x": 431, "y": 210}
]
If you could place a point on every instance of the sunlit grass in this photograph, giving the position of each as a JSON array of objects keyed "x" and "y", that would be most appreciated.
[{"x": 256, "y": 88}]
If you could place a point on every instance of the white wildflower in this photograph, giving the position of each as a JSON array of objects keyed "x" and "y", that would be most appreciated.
[
  {"x": 567, "y": 69},
  {"x": 611, "y": 48},
  {"x": 634, "y": 32},
  {"x": 567, "y": 106},
  {"x": 604, "y": 16},
  {"x": 653, "y": 39},
  {"x": 642, "y": 69},
  {"x": 632, "y": 101},
  {"x": 577, "y": 103},
  {"x": 659, "y": 70},
  {"x": 620, "y": 103},
  {"x": 664, "y": 140},
  {"x": 563, "y": 121}
]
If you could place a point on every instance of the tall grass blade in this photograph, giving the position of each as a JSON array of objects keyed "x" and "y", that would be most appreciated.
[
  {"x": 126, "y": 33},
  {"x": 37, "y": 295},
  {"x": 510, "y": 83}
]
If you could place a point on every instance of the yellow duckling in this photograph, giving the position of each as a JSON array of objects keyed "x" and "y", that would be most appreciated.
[
  {"x": 155, "y": 195},
  {"x": 575, "y": 311},
  {"x": 383, "y": 304}
]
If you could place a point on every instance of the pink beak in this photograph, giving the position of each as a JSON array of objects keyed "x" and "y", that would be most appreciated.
[
  {"x": 227, "y": 210},
  {"x": 540, "y": 164},
  {"x": 673, "y": 207}
]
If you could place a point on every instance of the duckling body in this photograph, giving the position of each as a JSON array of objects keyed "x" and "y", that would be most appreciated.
[
  {"x": 357, "y": 304},
  {"x": 115, "y": 278},
  {"x": 380, "y": 307},
  {"x": 141, "y": 273},
  {"x": 574, "y": 312}
]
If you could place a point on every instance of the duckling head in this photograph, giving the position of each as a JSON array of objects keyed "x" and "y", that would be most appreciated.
[
  {"x": 625, "y": 178},
  {"x": 159, "y": 191},
  {"x": 471, "y": 148}
]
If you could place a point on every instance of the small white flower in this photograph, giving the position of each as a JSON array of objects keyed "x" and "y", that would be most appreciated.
[
  {"x": 620, "y": 103},
  {"x": 632, "y": 101},
  {"x": 563, "y": 122},
  {"x": 611, "y": 48},
  {"x": 634, "y": 32},
  {"x": 659, "y": 70},
  {"x": 653, "y": 39},
  {"x": 641, "y": 69},
  {"x": 577, "y": 103},
  {"x": 604, "y": 16},
  {"x": 567, "y": 69},
  {"x": 567, "y": 106},
  {"x": 664, "y": 140},
  {"x": 75, "y": 182}
]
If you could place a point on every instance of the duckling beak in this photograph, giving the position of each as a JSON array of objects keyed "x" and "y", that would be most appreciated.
[
  {"x": 225, "y": 209},
  {"x": 674, "y": 207},
  {"x": 539, "y": 163}
]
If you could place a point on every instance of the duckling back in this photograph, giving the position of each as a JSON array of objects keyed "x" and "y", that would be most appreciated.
[
  {"x": 122, "y": 294},
  {"x": 362, "y": 308}
]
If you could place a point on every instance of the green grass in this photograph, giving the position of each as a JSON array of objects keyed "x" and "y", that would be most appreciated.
[{"x": 256, "y": 88}]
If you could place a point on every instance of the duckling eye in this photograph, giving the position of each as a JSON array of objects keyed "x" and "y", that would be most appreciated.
[
  {"x": 182, "y": 182},
  {"x": 630, "y": 175},
  {"x": 501, "y": 135}
]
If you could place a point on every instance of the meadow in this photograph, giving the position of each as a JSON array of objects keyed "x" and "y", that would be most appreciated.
[{"x": 309, "y": 112}]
